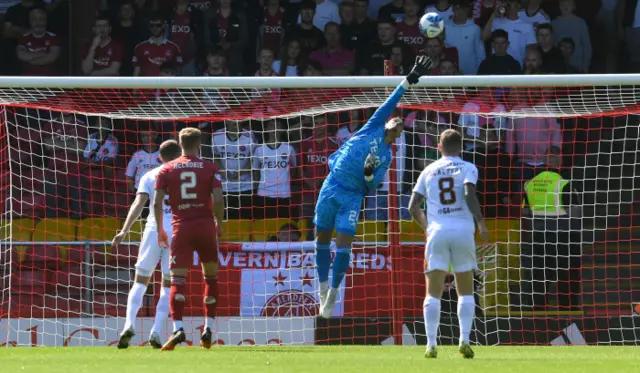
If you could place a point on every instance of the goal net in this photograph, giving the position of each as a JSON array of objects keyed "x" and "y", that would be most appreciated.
[{"x": 72, "y": 151}]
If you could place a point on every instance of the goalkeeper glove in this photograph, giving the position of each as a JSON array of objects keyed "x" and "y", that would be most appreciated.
[
  {"x": 369, "y": 167},
  {"x": 422, "y": 66}
]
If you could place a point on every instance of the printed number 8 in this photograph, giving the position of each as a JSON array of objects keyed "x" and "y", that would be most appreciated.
[
  {"x": 447, "y": 193},
  {"x": 188, "y": 179}
]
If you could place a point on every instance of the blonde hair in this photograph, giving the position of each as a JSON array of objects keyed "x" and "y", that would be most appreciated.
[{"x": 190, "y": 138}]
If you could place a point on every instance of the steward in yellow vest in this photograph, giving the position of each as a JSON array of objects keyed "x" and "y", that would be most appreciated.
[
  {"x": 551, "y": 248},
  {"x": 544, "y": 195}
]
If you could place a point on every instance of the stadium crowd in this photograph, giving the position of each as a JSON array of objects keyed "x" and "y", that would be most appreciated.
[{"x": 277, "y": 166}]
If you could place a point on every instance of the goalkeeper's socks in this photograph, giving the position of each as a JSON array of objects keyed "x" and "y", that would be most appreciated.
[
  {"x": 340, "y": 266},
  {"x": 466, "y": 311},
  {"x": 134, "y": 302},
  {"x": 177, "y": 300},
  {"x": 323, "y": 261},
  {"x": 431, "y": 308},
  {"x": 162, "y": 311}
]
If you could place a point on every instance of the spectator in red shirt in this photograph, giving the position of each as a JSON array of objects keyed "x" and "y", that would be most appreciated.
[
  {"x": 228, "y": 29},
  {"x": 314, "y": 154},
  {"x": 186, "y": 29},
  {"x": 435, "y": 48},
  {"x": 149, "y": 55},
  {"x": 408, "y": 30},
  {"x": 64, "y": 140},
  {"x": 39, "y": 49},
  {"x": 271, "y": 32},
  {"x": 335, "y": 59},
  {"x": 15, "y": 24},
  {"x": 103, "y": 55}
]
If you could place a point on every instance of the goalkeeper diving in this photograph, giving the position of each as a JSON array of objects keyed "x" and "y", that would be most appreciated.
[{"x": 356, "y": 169}]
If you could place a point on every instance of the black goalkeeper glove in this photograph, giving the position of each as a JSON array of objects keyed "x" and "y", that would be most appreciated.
[
  {"x": 369, "y": 167},
  {"x": 422, "y": 66}
]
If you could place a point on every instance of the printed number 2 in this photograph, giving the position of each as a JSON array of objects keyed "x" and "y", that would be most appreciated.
[
  {"x": 188, "y": 179},
  {"x": 447, "y": 192},
  {"x": 353, "y": 218}
]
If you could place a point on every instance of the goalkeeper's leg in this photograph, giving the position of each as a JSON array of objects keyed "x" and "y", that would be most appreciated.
[
  {"x": 323, "y": 262},
  {"x": 340, "y": 268}
]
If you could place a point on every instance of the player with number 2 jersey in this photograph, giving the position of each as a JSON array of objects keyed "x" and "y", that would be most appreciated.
[{"x": 195, "y": 195}]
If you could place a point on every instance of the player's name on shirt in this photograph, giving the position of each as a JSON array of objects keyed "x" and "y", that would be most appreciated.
[
  {"x": 189, "y": 165},
  {"x": 447, "y": 171}
]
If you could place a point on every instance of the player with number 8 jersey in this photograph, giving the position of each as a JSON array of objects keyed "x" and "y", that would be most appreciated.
[{"x": 195, "y": 195}]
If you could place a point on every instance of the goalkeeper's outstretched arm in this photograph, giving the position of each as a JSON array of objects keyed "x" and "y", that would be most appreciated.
[{"x": 379, "y": 118}]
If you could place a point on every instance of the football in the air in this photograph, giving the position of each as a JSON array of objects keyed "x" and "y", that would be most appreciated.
[{"x": 431, "y": 25}]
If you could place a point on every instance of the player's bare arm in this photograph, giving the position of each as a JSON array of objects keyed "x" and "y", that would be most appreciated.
[
  {"x": 474, "y": 206},
  {"x": 158, "y": 200},
  {"x": 415, "y": 208},
  {"x": 134, "y": 213}
]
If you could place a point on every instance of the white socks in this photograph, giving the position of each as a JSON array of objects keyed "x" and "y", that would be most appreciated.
[
  {"x": 162, "y": 311},
  {"x": 134, "y": 302},
  {"x": 466, "y": 311},
  {"x": 209, "y": 322},
  {"x": 431, "y": 308},
  {"x": 177, "y": 325}
]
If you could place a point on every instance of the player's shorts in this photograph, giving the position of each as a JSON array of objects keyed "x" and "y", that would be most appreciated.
[
  {"x": 150, "y": 253},
  {"x": 194, "y": 235},
  {"x": 337, "y": 208},
  {"x": 453, "y": 247}
]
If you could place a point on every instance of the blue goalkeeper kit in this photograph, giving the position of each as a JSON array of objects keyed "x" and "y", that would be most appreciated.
[{"x": 343, "y": 190}]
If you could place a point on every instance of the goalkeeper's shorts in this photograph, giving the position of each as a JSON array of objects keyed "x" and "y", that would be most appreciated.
[{"x": 337, "y": 208}]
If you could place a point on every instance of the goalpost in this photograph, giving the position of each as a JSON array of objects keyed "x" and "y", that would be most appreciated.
[{"x": 63, "y": 200}]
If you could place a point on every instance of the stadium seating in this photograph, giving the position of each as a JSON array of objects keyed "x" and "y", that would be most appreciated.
[
  {"x": 237, "y": 231},
  {"x": 54, "y": 229},
  {"x": 410, "y": 231},
  {"x": 371, "y": 231},
  {"x": 263, "y": 230},
  {"x": 98, "y": 229},
  {"x": 19, "y": 230}
]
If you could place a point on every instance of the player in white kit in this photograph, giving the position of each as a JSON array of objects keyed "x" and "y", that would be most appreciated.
[
  {"x": 150, "y": 253},
  {"x": 449, "y": 187}
]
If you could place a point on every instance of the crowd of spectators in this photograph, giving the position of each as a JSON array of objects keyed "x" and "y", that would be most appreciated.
[
  {"x": 277, "y": 166},
  {"x": 348, "y": 37}
]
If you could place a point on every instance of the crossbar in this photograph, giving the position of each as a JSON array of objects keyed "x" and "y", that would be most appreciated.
[{"x": 455, "y": 81}]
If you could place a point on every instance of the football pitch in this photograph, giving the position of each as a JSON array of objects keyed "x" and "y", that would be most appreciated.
[{"x": 361, "y": 359}]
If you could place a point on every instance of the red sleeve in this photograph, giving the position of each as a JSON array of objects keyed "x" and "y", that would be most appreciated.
[
  {"x": 178, "y": 55},
  {"x": 22, "y": 40},
  {"x": 55, "y": 42},
  {"x": 161, "y": 180},
  {"x": 136, "y": 55},
  {"x": 118, "y": 52}
]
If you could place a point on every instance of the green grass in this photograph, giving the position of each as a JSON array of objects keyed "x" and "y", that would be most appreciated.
[{"x": 360, "y": 359}]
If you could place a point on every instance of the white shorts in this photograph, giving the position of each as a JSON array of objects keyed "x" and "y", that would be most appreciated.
[
  {"x": 453, "y": 247},
  {"x": 150, "y": 253}
]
